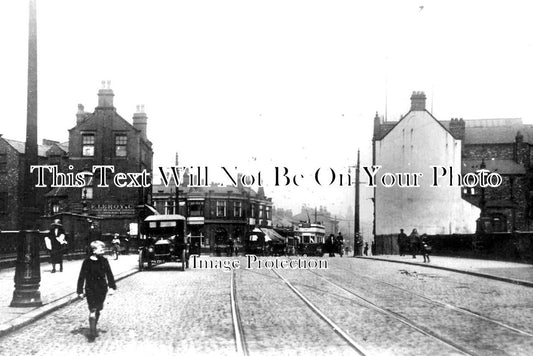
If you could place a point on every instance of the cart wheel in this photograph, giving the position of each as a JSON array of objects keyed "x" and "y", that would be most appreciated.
[
  {"x": 183, "y": 259},
  {"x": 141, "y": 262}
]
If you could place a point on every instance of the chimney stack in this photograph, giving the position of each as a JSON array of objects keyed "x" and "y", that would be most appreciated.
[
  {"x": 139, "y": 120},
  {"x": 457, "y": 128},
  {"x": 418, "y": 101},
  {"x": 80, "y": 115},
  {"x": 105, "y": 95}
]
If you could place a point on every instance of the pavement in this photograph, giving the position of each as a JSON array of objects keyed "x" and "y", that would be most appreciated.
[
  {"x": 512, "y": 272},
  {"x": 57, "y": 290}
]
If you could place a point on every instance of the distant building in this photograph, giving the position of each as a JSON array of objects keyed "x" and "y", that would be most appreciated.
[
  {"x": 11, "y": 166},
  {"x": 103, "y": 137},
  {"x": 412, "y": 145},
  {"x": 321, "y": 216},
  {"x": 215, "y": 214}
]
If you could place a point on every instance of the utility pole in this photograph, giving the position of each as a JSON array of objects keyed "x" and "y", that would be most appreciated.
[
  {"x": 177, "y": 202},
  {"x": 28, "y": 265},
  {"x": 356, "y": 229}
]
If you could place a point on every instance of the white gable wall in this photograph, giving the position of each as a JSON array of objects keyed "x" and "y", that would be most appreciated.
[{"x": 416, "y": 143}]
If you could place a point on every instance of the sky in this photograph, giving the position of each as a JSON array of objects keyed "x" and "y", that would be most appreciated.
[{"x": 264, "y": 84}]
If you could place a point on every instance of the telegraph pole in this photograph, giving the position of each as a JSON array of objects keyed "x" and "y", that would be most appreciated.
[
  {"x": 356, "y": 233},
  {"x": 28, "y": 265}
]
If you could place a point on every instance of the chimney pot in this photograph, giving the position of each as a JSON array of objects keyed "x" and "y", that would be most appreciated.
[{"x": 418, "y": 101}]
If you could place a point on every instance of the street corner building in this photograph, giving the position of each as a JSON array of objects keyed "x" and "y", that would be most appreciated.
[
  {"x": 418, "y": 141},
  {"x": 103, "y": 137},
  {"x": 413, "y": 144},
  {"x": 216, "y": 214}
]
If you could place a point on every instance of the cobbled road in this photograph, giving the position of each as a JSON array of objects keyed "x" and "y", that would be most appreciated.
[{"x": 165, "y": 311}]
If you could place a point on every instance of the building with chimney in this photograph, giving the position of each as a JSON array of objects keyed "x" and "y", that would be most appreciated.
[
  {"x": 406, "y": 149},
  {"x": 215, "y": 214},
  {"x": 11, "y": 165},
  {"x": 99, "y": 138}
]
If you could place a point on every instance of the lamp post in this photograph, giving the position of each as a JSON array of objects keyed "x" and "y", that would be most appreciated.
[{"x": 28, "y": 265}]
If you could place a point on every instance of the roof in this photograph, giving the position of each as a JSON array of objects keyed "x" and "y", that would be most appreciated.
[
  {"x": 501, "y": 166},
  {"x": 201, "y": 191},
  {"x": 388, "y": 126},
  {"x": 20, "y": 147},
  {"x": 57, "y": 192}
]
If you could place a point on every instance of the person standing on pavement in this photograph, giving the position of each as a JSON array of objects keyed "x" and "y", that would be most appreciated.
[
  {"x": 366, "y": 249},
  {"x": 96, "y": 275},
  {"x": 414, "y": 241},
  {"x": 56, "y": 243},
  {"x": 403, "y": 241},
  {"x": 425, "y": 248}
]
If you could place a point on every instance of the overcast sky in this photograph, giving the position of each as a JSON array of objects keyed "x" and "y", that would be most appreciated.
[{"x": 259, "y": 84}]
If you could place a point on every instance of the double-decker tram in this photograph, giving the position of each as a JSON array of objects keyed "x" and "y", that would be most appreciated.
[{"x": 312, "y": 238}]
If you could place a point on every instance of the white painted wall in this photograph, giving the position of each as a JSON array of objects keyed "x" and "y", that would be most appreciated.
[{"x": 415, "y": 144}]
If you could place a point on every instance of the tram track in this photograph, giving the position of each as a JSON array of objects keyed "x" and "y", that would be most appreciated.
[
  {"x": 240, "y": 340},
  {"x": 357, "y": 347},
  {"x": 443, "y": 304}
]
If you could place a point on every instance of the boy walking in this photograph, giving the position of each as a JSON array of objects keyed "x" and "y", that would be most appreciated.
[{"x": 96, "y": 274}]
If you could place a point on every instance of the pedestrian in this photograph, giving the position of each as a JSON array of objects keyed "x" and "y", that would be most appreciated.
[
  {"x": 366, "y": 249},
  {"x": 414, "y": 241},
  {"x": 96, "y": 275},
  {"x": 340, "y": 244},
  {"x": 425, "y": 248},
  {"x": 330, "y": 245},
  {"x": 402, "y": 242},
  {"x": 56, "y": 243}
]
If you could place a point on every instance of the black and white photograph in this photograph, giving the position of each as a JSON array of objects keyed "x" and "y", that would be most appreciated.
[{"x": 247, "y": 177}]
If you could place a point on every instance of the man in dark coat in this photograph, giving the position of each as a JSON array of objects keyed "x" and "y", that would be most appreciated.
[
  {"x": 402, "y": 242},
  {"x": 414, "y": 241},
  {"x": 57, "y": 245}
]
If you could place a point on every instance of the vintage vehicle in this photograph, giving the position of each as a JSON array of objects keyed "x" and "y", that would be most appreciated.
[
  {"x": 163, "y": 240},
  {"x": 265, "y": 242},
  {"x": 312, "y": 238}
]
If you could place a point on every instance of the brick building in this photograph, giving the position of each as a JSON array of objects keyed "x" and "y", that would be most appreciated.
[
  {"x": 215, "y": 214},
  {"x": 103, "y": 137},
  {"x": 11, "y": 166},
  {"x": 503, "y": 146}
]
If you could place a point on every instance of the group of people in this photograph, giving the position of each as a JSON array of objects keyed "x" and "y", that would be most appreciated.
[
  {"x": 414, "y": 244},
  {"x": 335, "y": 244}
]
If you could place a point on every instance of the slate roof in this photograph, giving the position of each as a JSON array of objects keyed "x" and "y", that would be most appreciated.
[
  {"x": 20, "y": 147},
  {"x": 501, "y": 166}
]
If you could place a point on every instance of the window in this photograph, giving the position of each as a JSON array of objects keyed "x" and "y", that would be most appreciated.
[
  {"x": 87, "y": 145},
  {"x": 253, "y": 211},
  {"x": 3, "y": 202},
  {"x": 237, "y": 209},
  {"x": 261, "y": 211},
  {"x": 196, "y": 208},
  {"x": 221, "y": 208},
  {"x": 3, "y": 162},
  {"x": 55, "y": 207},
  {"x": 121, "y": 143},
  {"x": 268, "y": 213},
  {"x": 169, "y": 207},
  {"x": 87, "y": 193}
]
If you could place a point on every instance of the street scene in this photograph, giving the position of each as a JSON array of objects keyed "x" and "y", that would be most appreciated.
[
  {"x": 266, "y": 178},
  {"x": 356, "y": 306}
]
